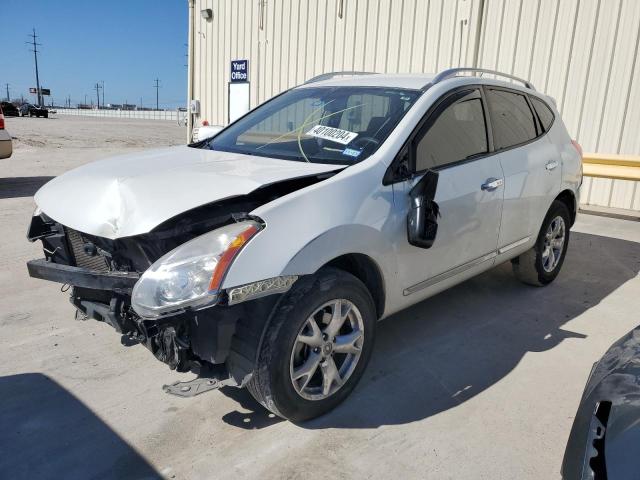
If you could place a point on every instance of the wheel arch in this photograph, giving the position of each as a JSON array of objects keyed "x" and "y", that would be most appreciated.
[
  {"x": 365, "y": 269},
  {"x": 568, "y": 197},
  {"x": 357, "y": 249}
]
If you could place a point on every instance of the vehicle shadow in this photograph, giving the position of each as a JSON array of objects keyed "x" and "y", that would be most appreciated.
[
  {"x": 447, "y": 349},
  {"x": 15, "y": 187},
  {"x": 48, "y": 433},
  {"x": 257, "y": 417}
]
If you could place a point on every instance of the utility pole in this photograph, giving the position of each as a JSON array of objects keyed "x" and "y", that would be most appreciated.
[
  {"x": 97, "y": 87},
  {"x": 85, "y": 99},
  {"x": 103, "y": 104},
  {"x": 35, "y": 58},
  {"x": 8, "y": 97},
  {"x": 157, "y": 86}
]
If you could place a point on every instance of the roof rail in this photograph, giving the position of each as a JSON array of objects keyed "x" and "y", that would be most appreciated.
[
  {"x": 454, "y": 72},
  {"x": 330, "y": 75}
]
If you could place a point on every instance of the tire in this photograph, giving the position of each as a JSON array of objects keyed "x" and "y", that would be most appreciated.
[
  {"x": 535, "y": 266},
  {"x": 282, "y": 355}
]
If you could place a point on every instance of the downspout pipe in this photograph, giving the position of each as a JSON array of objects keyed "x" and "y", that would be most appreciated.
[
  {"x": 190, "y": 68},
  {"x": 479, "y": 26}
]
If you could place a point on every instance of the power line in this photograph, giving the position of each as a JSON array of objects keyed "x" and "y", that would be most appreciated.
[
  {"x": 157, "y": 86},
  {"x": 35, "y": 57}
]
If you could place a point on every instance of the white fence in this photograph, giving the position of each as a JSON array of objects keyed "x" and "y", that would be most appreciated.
[{"x": 173, "y": 115}]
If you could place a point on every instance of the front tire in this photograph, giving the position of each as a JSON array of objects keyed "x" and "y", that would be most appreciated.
[
  {"x": 540, "y": 265},
  {"x": 316, "y": 347}
]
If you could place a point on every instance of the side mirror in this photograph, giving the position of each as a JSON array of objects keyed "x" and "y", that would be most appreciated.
[{"x": 422, "y": 219}]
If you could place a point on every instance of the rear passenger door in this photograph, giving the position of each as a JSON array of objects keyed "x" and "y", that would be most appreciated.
[{"x": 530, "y": 162}]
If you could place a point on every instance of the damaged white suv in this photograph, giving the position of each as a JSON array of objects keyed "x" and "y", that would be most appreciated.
[{"x": 264, "y": 256}]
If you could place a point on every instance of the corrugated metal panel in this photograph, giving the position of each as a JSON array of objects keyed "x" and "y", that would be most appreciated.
[{"x": 584, "y": 53}]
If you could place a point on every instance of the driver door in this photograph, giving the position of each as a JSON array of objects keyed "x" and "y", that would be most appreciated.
[{"x": 454, "y": 143}]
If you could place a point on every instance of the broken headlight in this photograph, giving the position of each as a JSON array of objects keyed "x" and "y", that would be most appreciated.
[{"x": 190, "y": 276}]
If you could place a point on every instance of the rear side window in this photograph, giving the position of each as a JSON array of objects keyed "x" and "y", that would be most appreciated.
[
  {"x": 512, "y": 120},
  {"x": 458, "y": 133},
  {"x": 544, "y": 112}
]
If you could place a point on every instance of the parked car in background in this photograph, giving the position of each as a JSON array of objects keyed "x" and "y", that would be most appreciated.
[
  {"x": 6, "y": 147},
  {"x": 33, "y": 111},
  {"x": 9, "y": 109},
  {"x": 264, "y": 256},
  {"x": 605, "y": 437}
]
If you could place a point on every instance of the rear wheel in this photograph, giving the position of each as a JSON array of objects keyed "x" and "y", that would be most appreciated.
[
  {"x": 317, "y": 346},
  {"x": 541, "y": 265}
]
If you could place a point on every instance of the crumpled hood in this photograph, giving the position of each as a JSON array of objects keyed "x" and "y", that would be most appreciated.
[{"x": 132, "y": 194}]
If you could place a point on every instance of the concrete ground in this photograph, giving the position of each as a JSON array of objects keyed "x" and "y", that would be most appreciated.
[{"x": 481, "y": 381}]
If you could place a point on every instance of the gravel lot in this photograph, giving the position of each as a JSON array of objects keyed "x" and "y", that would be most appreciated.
[{"x": 481, "y": 381}]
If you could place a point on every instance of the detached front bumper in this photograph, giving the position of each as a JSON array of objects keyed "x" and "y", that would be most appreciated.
[{"x": 119, "y": 282}]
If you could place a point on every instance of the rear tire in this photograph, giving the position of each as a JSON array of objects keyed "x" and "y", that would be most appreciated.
[
  {"x": 292, "y": 345},
  {"x": 540, "y": 265}
]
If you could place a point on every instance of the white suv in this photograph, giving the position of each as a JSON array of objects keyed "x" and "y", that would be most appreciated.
[{"x": 264, "y": 256}]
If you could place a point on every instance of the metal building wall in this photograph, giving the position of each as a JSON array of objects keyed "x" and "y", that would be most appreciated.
[{"x": 584, "y": 53}]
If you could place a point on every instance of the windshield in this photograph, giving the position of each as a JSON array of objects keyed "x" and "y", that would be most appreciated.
[{"x": 336, "y": 125}]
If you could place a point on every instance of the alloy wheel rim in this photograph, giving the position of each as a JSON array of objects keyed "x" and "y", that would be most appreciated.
[
  {"x": 553, "y": 244},
  {"x": 327, "y": 350}
]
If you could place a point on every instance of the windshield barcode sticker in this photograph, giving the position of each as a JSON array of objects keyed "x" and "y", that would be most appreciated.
[{"x": 334, "y": 134}]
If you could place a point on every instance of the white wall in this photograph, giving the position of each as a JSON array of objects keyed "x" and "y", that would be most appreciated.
[{"x": 171, "y": 115}]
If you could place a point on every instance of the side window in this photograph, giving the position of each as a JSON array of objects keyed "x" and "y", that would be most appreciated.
[
  {"x": 544, "y": 112},
  {"x": 458, "y": 133},
  {"x": 511, "y": 118}
]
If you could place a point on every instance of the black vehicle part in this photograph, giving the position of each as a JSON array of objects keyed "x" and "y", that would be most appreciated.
[
  {"x": 54, "y": 239},
  {"x": 119, "y": 282},
  {"x": 605, "y": 437},
  {"x": 422, "y": 219}
]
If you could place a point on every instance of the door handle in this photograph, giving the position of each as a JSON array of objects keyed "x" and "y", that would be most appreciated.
[
  {"x": 551, "y": 164},
  {"x": 491, "y": 184}
]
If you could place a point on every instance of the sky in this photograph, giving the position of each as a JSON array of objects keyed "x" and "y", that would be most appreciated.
[{"x": 125, "y": 43}]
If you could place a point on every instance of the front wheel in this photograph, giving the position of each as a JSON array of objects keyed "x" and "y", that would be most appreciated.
[
  {"x": 541, "y": 265},
  {"x": 317, "y": 346}
]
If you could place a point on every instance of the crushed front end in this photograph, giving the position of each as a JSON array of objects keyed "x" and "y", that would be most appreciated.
[{"x": 218, "y": 341}]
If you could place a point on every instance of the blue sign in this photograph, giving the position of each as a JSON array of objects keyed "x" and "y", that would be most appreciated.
[{"x": 239, "y": 70}]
